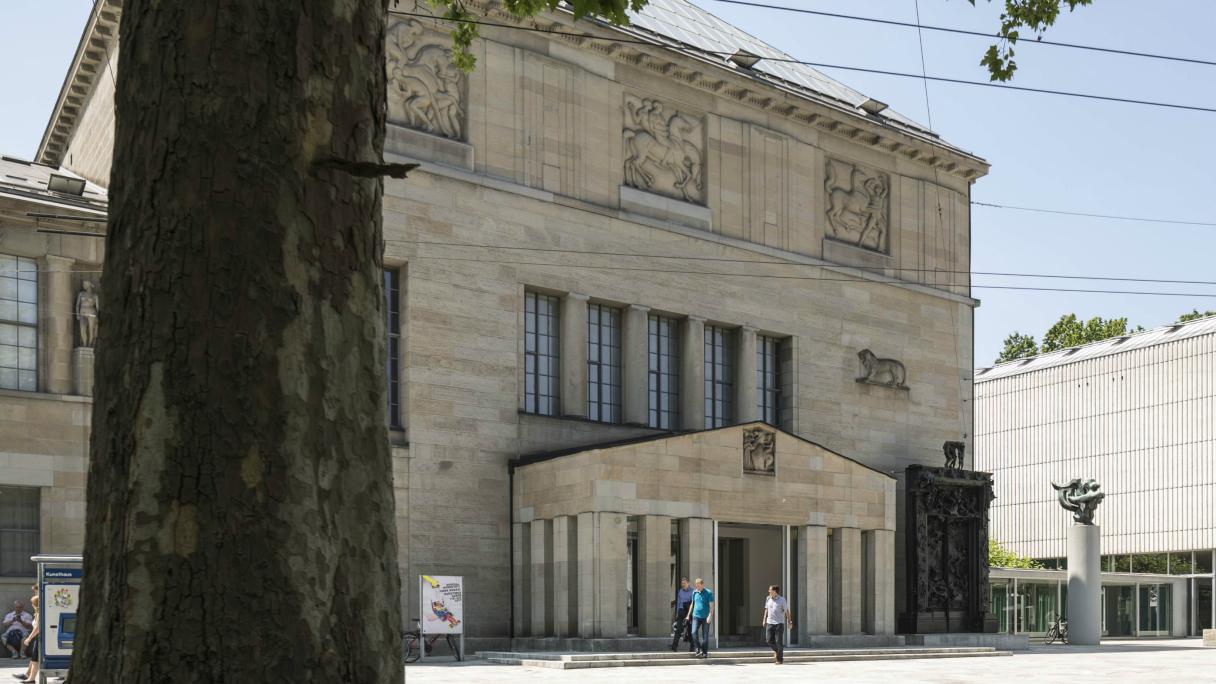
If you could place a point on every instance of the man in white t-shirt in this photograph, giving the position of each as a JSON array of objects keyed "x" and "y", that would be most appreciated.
[
  {"x": 17, "y": 625},
  {"x": 776, "y": 618}
]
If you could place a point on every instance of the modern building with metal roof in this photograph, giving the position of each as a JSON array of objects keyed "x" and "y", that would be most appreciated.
[{"x": 1138, "y": 414}]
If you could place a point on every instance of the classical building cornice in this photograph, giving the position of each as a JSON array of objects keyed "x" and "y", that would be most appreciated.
[
  {"x": 100, "y": 33},
  {"x": 719, "y": 77}
]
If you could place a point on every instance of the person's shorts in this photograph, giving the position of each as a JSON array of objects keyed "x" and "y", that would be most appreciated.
[{"x": 32, "y": 651}]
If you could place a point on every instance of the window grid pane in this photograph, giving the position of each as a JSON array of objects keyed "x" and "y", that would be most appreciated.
[
  {"x": 392, "y": 357},
  {"x": 603, "y": 363},
  {"x": 540, "y": 354},
  {"x": 719, "y": 377},
  {"x": 18, "y": 323},
  {"x": 768, "y": 379},
  {"x": 663, "y": 384},
  {"x": 19, "y": 536}
]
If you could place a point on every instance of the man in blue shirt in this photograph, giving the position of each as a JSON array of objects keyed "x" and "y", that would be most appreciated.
[
  {"x": 683, "y": 603},
  {"x": 702, "y": 614}
]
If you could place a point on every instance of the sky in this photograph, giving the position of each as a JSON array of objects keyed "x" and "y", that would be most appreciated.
[{"x": 1046, "y": 151}]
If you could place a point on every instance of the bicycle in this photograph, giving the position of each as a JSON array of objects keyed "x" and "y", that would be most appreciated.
[
  {"x": 1058, "y": 630},
  {"x": 413, "y": 636}
]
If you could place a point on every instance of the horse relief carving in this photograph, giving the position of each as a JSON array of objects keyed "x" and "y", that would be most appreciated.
[
  {"x": 759, "y": 451},
  {"x": 425, "y": 89},
  {"x": 663, "y": 150},
  {"x": 857, "y": 206},
  {"x": 885, "y": 372}
]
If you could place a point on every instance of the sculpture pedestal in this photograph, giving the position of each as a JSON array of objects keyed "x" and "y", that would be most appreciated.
[
  {"x": 1084, "y": 585},
  {"x": 82, "y": 371}
]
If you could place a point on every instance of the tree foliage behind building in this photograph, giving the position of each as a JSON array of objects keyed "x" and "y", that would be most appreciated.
[{"x": 1001, "y": 557}]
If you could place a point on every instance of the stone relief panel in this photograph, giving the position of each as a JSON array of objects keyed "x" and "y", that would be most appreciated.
[
  {"x": 425, "y": 89},
  {"x": 664, "y": 150},
  {"x": 858, "y": 205},
  {"x": 759, "y": 451}
]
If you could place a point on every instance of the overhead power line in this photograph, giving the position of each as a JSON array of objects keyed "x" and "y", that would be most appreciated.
[
  {"x": 965, "y": 32},
  {"x": 824, "y": 65},
  {"x": 1101, "y": 216}
]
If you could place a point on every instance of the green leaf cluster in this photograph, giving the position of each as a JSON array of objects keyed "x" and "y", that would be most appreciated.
[
  {"x": 1001, "y": 557},
  {"x": 1194, "y": 315},
  {"x": 1032, "y": 15},
  {"x": 1067, "y": 332}
]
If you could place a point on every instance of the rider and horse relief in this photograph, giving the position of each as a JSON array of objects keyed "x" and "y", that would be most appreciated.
[
  {"x": 857, "y": 206},
  {"x": 663, "y": 150}
]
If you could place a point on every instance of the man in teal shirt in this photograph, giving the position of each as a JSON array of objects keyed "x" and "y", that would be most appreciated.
[{"x": 701, "y": 612}]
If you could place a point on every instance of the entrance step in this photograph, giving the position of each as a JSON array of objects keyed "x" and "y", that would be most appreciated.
[{"x": 577, "y": 661}]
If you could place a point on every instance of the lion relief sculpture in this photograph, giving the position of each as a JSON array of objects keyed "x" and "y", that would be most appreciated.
[
  {"x": 857, "y": 205},
  {"x": 885, "y": 372},
  {"x": 760, "y": 451}
]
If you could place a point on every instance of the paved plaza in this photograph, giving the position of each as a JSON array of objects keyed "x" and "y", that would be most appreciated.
[{"x": 1177, "y": 661}]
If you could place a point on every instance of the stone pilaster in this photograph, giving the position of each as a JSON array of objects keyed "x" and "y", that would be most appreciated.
[
  {"x": 574, "y": 355},
  {"x": 879, "y": 549},
  {"x": 692, "y": 374},
  {"x": 541, "y": 568},
  {"x": 57, "y": 313},
  {"x": 565, "y": 576},
  {"x": 655, "y": 591},
  {"x": 846, "y": 580},
  {"x": 697, "y": 549},
  {"x": 601, "y": 574},
  {"x": 745, "y": 377},
  {"x": 522, "y": 571},
  {"x": 635, "y": 345},
  {"x": 811, "y": 616},
  {"x": 584, "y": 560}
]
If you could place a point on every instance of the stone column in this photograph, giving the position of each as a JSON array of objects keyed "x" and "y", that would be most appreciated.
[
  {"x": 697, "y": 549},
  {"x": 692, "y": 374},
  {"x": 601, "y": 574},
  {"x": 635, "y": 343},
  {"x": 811, "y": 613},
  {"x": 584, "y": 561},
  {"x": 846, "y": 577},
  {"x": 1084, "y": 585},
  {"x": 565, "y": 576},
  {"x": 745, "y": 377},
  {"x": 57, "y": 307},
  {"x": 655, "y": 592},
  {"x": 522, "y": 572},
  {"x": 541, "y": 567},
  {"x": 879, "y": 549},
  {"x": 574, "y": 355}
]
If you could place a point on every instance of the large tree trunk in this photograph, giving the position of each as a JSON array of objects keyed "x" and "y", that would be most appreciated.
[{"x": 240, "y": 507}]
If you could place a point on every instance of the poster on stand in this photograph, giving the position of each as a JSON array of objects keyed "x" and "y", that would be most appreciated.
[{"x": 441, "y": 604}]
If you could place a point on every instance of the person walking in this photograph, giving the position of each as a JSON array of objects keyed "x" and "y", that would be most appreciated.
[
  {"x": 682, "y": 628},
  {"x": 776, "y": 619},
  {"x": 701, "y": 612}
]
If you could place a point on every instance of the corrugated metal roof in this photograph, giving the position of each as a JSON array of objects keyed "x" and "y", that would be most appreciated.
[
  {"x": 1114, "y": 345},
  {"x": 28, "y": 180},
  {"x": 693, "y": 26}
]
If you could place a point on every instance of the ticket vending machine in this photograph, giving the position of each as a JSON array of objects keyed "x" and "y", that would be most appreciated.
[{"x": 59, "y": 593}]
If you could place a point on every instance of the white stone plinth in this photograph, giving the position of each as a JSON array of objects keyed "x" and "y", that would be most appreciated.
[
  {"x": 82, "y": 371},
  {"x": 1209, "y": 638},
  {"x": 1084, "y": 585}
]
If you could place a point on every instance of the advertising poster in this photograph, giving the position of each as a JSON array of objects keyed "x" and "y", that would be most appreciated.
[{"x": 442, "y": 604}]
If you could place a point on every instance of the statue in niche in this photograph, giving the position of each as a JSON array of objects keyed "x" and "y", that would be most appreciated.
[
  {"x": 425, "y": 88},
  {"x": 857, "y": 205},
  {"x": 759, "y": 451},
  {"x": 1080, "y": 497},
  {"x": 87, "y": 307},
  {"x": 884, "y": 372},
  {"x": 662, "y": 150},
  {"x": 955, "y": 454}
]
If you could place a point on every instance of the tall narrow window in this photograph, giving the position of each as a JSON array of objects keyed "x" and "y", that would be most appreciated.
[
  {"x": 663, "y": 383},
  {"x": 18, "y": 323},
  {"x": 768, "y": 379},
  {"x": 603, "y": 363},
  {"x": 392, "y": 359},
  {"x": 541, "y": 354},
  {"x": 19, "y": 536},
  {"x": 719, "y": 376}
]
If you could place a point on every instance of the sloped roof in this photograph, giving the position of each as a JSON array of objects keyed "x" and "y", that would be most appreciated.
[
  {"x": 27, "y": 180},
  {"x": 1114, "y": 345}
]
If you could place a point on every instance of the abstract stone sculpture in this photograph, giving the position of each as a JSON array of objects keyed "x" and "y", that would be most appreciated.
[
  {"x": 87, "y": 308},
  {"x": 663, "y": 150},
  {"x": 885, "y": 372},
  {"x": 955, "y": 452},
  {"x": 1081, "y": 497},
  {"x": 857, "y": 210},
  {"x": 759, "y": 451},
  {"x": 425, "y": 89}
]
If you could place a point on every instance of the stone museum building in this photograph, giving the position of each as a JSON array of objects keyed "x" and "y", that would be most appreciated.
[
  {"x": 658, "y": 304},
  {"x": 1136, "y": 413}
]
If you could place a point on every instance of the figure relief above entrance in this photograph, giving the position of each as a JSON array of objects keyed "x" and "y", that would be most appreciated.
[{"x": 603, "y": 535}]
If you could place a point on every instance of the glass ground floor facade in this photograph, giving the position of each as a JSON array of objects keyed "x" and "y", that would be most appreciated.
[{"x": 1133, "y": 604}]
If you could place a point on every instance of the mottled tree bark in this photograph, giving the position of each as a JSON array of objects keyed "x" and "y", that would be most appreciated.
[{"x": 240, "y": 507}]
